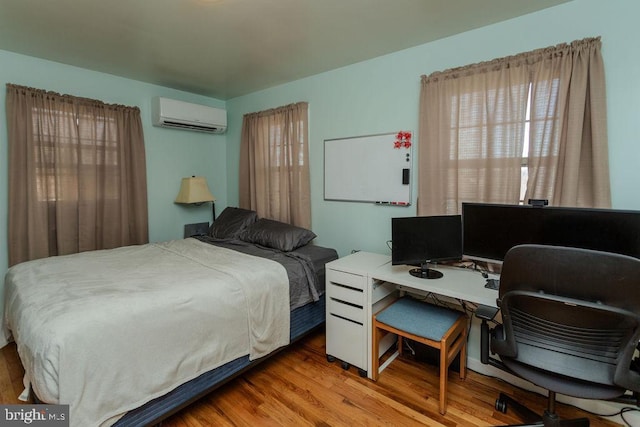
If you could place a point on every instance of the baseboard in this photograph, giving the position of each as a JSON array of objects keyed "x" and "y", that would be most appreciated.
[{"x": 600, "y": 407}]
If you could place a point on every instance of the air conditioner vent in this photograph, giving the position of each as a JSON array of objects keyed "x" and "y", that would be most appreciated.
[{"x": 170, "y": 113}]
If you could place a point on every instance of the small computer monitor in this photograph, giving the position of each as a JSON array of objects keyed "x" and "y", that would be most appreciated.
[{"x": 422, "y": 240}]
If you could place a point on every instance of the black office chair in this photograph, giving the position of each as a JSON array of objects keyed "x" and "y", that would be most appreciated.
[{"x": 570, "y": 324}]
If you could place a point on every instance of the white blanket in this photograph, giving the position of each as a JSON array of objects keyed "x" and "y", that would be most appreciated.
[{"x": 107, "y": 331}]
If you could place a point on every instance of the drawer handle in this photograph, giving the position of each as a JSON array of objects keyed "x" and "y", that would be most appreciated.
[
  {"x": 347, "y": 303},
  {"x": 348, "y": 320},
  {"x": 346, "y": 287}
]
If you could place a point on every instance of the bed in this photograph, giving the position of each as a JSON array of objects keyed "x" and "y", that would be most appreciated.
[{"x": 129, "y": 336}]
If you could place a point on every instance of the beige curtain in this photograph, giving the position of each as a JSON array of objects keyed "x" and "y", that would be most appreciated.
[
  {"x": 473, "y": 122},
  {"x": 77, "y": 175},
  {"x": 466, "y": 116},
  {"x": 274, "y": 164},
  {"x": 568, "y": 149}
]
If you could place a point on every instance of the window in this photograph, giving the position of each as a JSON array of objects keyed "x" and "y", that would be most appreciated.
[
  {"x": 506, "y": 130},
  {"x": 77, "y": 175},
  {"x": 524, "y": 169},
  {"x": 70, "y": 153},
  {"x": 274, "y": 167}
]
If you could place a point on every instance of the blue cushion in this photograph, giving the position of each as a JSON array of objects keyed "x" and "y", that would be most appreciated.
[{"x": 419, "y": 318}]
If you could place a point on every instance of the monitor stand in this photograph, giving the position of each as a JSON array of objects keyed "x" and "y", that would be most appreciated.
[{"x": 424, "y": 272}]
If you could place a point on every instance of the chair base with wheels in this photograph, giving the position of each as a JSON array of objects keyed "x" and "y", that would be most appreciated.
[
  {"x": 435, "y": 326},
  {"x": 530, "y": 418}
]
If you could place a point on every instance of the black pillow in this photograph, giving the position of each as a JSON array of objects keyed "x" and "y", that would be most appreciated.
[
  {"x": 277, "y": 235},
  {"x": 231, "y": 222}
]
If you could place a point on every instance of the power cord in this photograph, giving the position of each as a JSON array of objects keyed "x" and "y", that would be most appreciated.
[
  {"x": 623, "y": 411},
  {"x": 408, "y": 346}
]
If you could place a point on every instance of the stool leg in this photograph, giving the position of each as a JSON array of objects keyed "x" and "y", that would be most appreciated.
[{"x": 444, "y": 369}]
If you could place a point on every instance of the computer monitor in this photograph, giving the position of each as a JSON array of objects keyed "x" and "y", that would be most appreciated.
[
  {"x": 490, "y": 230},
  {"x": 422, "y": 240}
]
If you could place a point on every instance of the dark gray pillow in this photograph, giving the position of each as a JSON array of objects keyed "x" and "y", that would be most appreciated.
[
  {"x": 277, "y": 235},
  {"x": 231, "y": 222}
]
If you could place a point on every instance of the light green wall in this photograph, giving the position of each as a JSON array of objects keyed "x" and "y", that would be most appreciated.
[
  {"x": 171, "y": 154},
  {"x": 381, "y": 95}
]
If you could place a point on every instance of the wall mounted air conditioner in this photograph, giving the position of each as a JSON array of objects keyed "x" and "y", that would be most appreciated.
[{"x": 170, "y": 113}]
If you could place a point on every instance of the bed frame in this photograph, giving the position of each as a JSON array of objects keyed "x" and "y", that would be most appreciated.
[{"x": 304, "y": 320}]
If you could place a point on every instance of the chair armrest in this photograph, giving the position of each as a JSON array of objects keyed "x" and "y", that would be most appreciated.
[
  {"x": 630, "y": 380},
  {"x": 502, "y": 343},
  {"x": 624, "y": 375},
  {"x": 486, "y": 312}
]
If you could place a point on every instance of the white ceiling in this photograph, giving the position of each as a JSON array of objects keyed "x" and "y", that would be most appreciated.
[{"x": 228, "y": 48}]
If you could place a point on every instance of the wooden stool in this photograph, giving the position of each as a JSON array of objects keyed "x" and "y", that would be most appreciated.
[{"x": 435, "y": 326}]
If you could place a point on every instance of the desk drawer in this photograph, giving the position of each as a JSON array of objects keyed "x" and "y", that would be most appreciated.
[
  {"x": 343, "y": 293},
  {"x": 348, "y": 311},
  {"x": 346, "y": 340},
  {"x": 347, "y": 279}
]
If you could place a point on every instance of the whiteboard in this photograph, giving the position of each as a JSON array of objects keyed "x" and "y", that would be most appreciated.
[{"x": 374, "y": 168}]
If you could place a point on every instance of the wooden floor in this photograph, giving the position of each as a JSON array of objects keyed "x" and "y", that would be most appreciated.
[{"x": 299, "y": 387}]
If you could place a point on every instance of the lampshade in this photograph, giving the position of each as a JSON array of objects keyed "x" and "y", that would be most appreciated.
[{"x": 194, "y": 190}]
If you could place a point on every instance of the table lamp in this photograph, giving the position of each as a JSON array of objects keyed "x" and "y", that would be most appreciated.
[{"x": 195, "y": 191}]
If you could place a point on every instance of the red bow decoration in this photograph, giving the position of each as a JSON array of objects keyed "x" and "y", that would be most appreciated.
[{"x": 403, "y": 139}]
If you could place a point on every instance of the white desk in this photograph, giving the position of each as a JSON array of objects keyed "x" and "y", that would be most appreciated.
[
  {"x": 458, "y": 283},
  {"x": 363, "y": 283}
]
